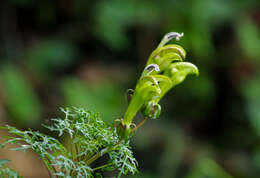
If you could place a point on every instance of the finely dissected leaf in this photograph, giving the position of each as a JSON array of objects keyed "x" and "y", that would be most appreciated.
[
  {"x": 3, "y": 161},
  {"x": 124, "y": 160},
  {"x": 88, "y": 135},
  {"x": 7, "y": 172}
]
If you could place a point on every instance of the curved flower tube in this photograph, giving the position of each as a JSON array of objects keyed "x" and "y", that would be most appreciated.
[
  {"x": 147, "y": 89},
  {"x": 169, "y": 36},
  {"x": 179, "y": 70},
  {"x": 162, "y": 56}
]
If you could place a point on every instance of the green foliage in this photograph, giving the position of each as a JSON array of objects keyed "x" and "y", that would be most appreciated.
[
  {"x": 88, "y": 136},
  {"x": 248, "y": 34},
  {"x": 121, "y": 14},
  {"x": 208, "y": 168},
  {"x": 5, "y": 171},
  {"x": 49, "y": 56},
  {"x": 20, "y": 106},
  {"x": 252, "y": 96},
  {"x": 103, "y": 97}
]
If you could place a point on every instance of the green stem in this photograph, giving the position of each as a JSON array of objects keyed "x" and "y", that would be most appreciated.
[
  {"x": 100, "y": 167},
  {"x": 49, "y": 163},
  {"x": 49, "y": 172},
  {"x": 140, "y": 124},
  {"x": 135, "y": 104},
  {"x": 77, "y": 152},
  {"x": 98, "y": 154}
]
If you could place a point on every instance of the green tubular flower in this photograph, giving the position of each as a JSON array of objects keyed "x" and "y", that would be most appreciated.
[
  {"x": 170, "y": 36},
  {"x": 179, "y": 70},
  {"x": 146, "y": 89},
  {"x": 163, "y": 56},
  {"x": 165, "y": 84},
  {"x": 170, "y": 48},
  {"x": 167, "y": 59},
  {"x": 164, "y": 70}
]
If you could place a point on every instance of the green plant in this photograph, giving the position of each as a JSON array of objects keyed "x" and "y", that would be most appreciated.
[{"x": 90, "y": 138}]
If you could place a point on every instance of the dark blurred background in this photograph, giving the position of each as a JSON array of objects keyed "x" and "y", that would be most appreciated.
[{"x": 88, "y": 53}]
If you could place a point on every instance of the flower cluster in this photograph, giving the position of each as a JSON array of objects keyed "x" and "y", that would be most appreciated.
[{"x": 164, "y": 70}]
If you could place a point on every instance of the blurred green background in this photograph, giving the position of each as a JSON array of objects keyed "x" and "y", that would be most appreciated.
[{"x": 88, "y": 53}]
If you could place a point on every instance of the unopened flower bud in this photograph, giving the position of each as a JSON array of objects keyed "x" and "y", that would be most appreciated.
[
  {"x": 129, "y": 94},
  {"x": 152, "y": 110}
]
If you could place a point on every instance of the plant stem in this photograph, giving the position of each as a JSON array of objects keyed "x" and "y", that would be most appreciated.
[
  {"x": 134, "y": 105},
  {"x": 140, "y": 124},
  {"x": 98, "y": 154},
  {"x": 49, "y": 172},
  {"x": 77, "y": 152},
  {"x": 100, "y": 167}
]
